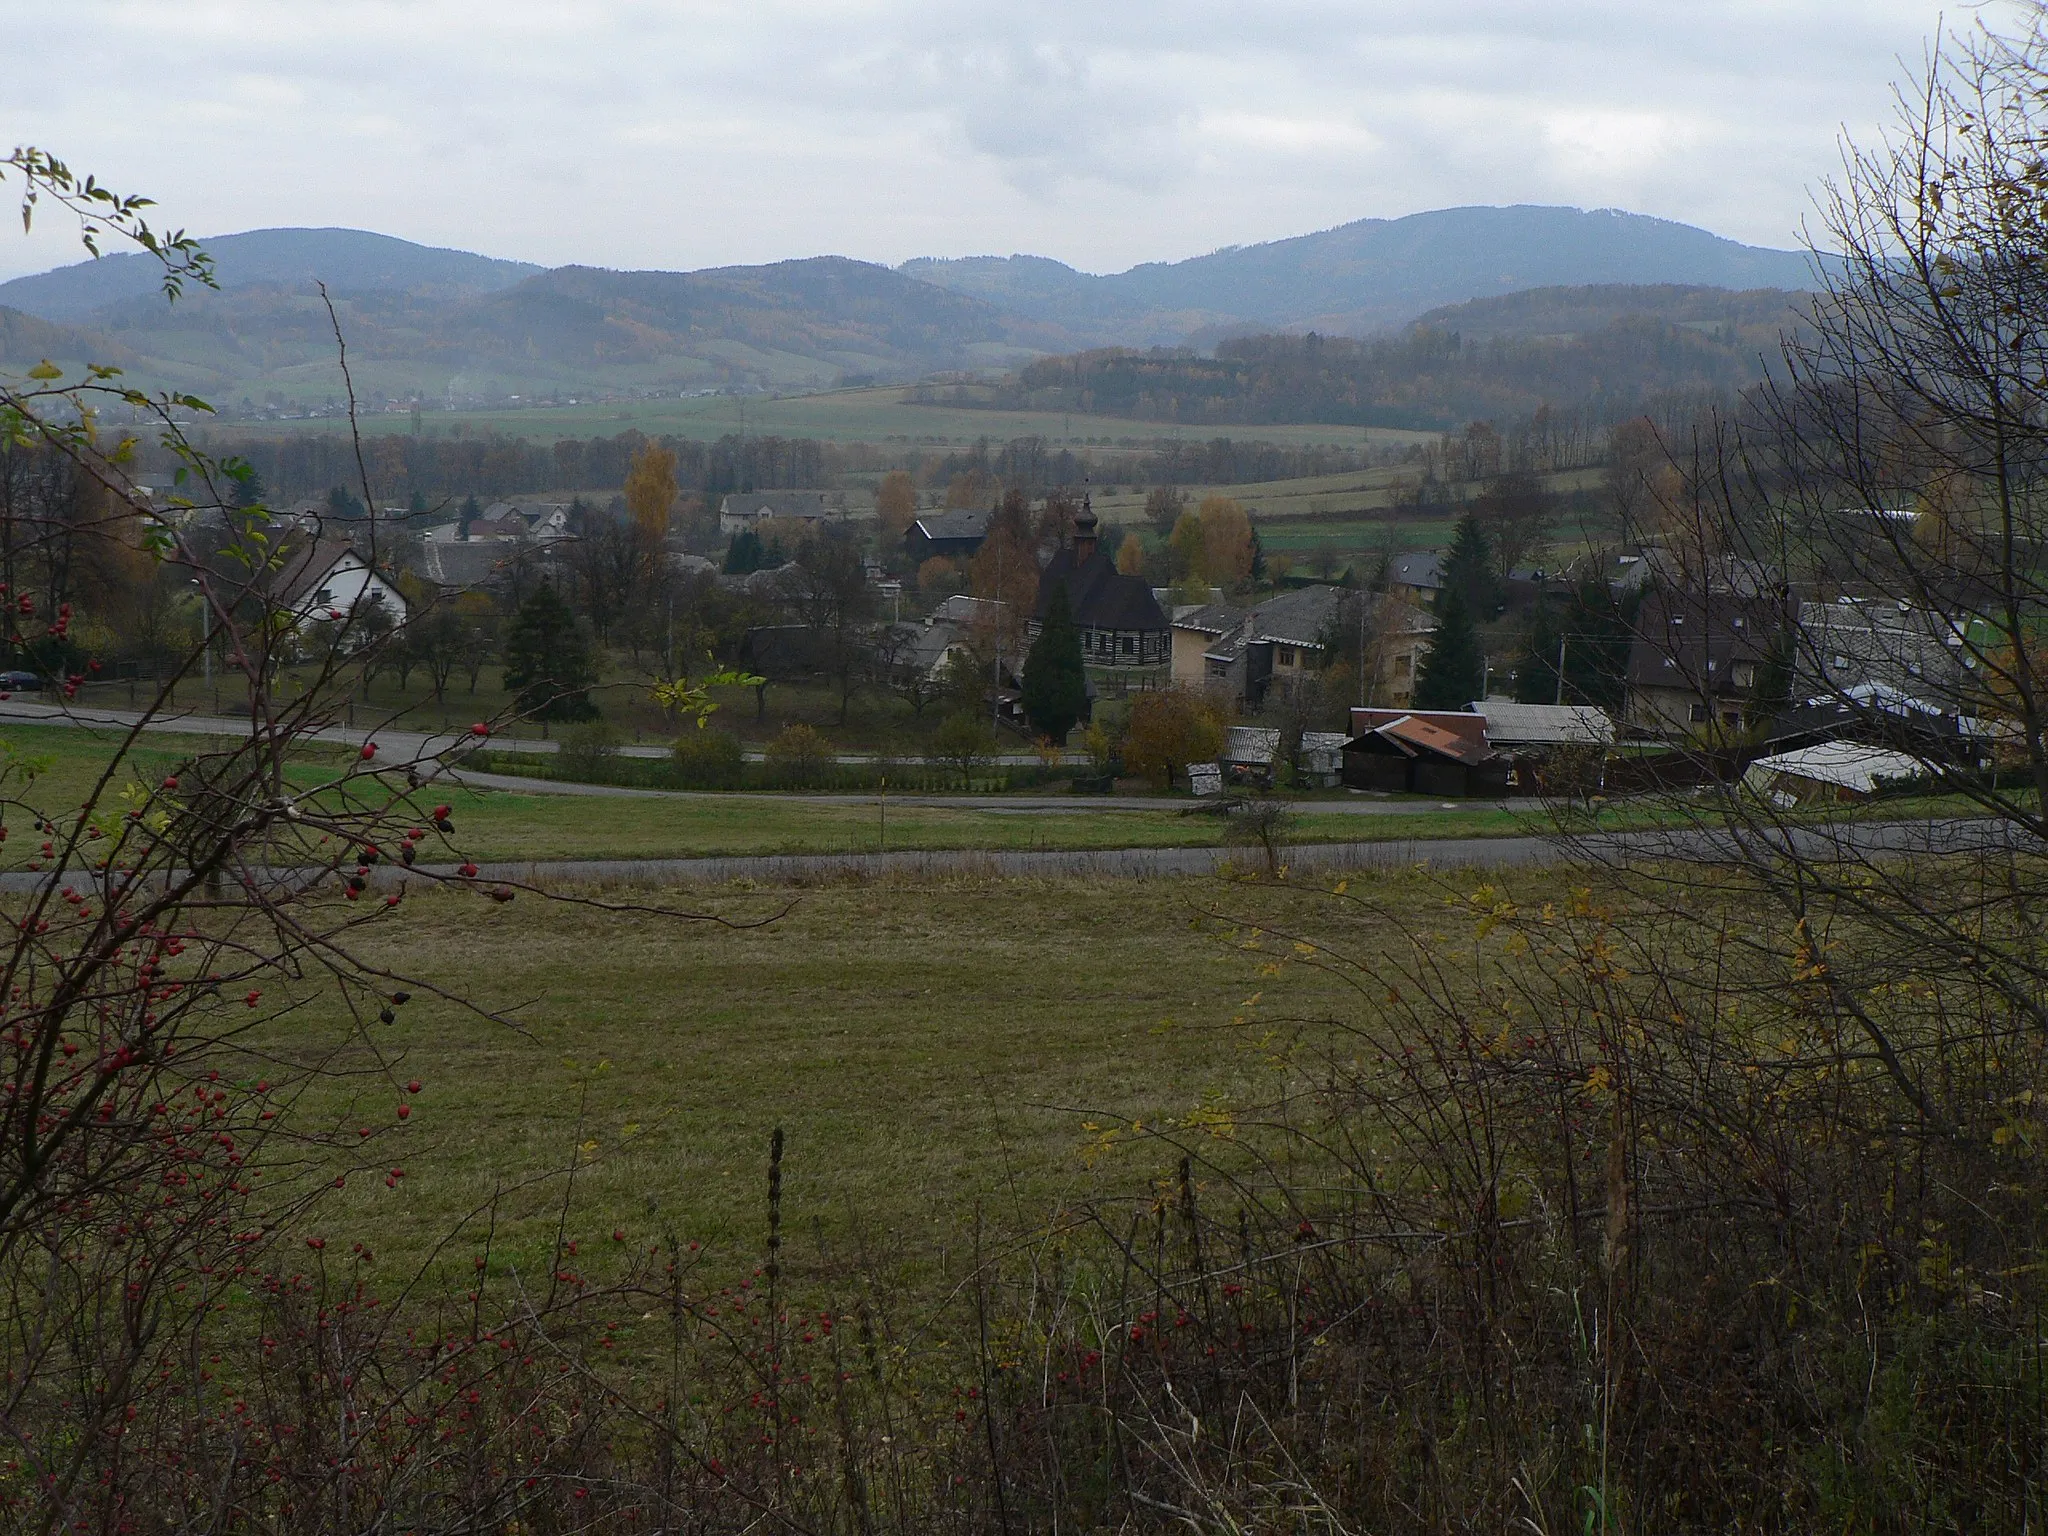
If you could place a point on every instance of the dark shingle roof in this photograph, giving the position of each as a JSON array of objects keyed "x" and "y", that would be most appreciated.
[
  {"x": 959, "y": 523},
  {"x": 1100, "y": 595},
  {"x": 1416, "y": 570}
]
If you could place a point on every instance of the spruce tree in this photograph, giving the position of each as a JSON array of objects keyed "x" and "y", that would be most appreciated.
[
  {"x": 547, "y": 660},
  {"x": 1055, "y": 693},
  {"x": 743, "y": 555},
  {"x": 1454, "y": 672},
  {"x": 1467, "y": 570}
]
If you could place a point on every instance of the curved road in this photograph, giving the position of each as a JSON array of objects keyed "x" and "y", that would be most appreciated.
[{"x": 418, "y": 746}]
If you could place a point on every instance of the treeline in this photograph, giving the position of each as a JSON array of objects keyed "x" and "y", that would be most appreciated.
[
  {"x": 1033, "y": 464},
  {"x": 402, "y": 468},
  {"x": 493, "y": 465},
  {"x": 1426, "y": 379}
]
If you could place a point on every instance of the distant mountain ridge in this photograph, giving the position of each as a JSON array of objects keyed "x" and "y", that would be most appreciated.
[
  {"x": 424, "y": 320},
  {"x": 354, "y": 260},
  {"x": 1366, "y": 276}
]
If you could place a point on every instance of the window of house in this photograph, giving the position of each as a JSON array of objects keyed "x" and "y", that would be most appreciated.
[
  {"x": 1127, "y": 643},
  {"x": 324, "y": 595},
  {"x": 1698, "y": 714},
  {"x": 1287, "y": 656},
  {"x": 1731, "y": 717}
]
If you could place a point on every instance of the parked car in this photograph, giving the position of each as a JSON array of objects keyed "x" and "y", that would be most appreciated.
[{"x": 19, "y": 682}]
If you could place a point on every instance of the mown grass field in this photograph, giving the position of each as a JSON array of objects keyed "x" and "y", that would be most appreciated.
[{"x": 927, "y": 1047}]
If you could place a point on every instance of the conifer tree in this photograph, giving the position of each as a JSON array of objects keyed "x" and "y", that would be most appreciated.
[
  {"x": 1468, "y": 570},
  {"x": 1055, "y": 694},
  {"x": 1454, "y": 672},
  {"x": 547, "y": 660}
]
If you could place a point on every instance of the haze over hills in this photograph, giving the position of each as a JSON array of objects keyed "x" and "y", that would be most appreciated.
[
  {"x": 1366, "y": 276},
  {"x": 449, "y": 324}
]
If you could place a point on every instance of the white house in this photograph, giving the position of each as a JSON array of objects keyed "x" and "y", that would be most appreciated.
[{"x": 328, "y": 582}]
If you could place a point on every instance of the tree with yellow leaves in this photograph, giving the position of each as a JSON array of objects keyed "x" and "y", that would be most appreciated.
[
  {"x": 651, "y": 492},
  {"x": 1130, "y": 555},
  {"x": 1226, "y": 541},
  {"x": 896, "y": 504}
]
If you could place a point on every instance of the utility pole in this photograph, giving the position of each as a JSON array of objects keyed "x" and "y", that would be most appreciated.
[
  {"x": 1361, "y": 650},
  {"x": 1560, "y": 667},
  {"x": 996, "y": 692}
]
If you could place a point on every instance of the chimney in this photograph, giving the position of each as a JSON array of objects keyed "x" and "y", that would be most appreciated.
[{"x": 1084, "y": 532}]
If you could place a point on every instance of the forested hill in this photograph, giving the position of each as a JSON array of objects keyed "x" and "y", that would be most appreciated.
[
  {"x": 1367, "y": 275},
  {"x": 1603, "y": 351},
  {"x": 347, "y": 260}
]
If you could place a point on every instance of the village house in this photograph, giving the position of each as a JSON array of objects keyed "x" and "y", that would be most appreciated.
[
  {"x": 1247, "y": 652},
  {"x": 1416, "y": 577},
  {"x": 1124, "y": 632},
  {"x": 324, "y": 581},
  {"x": 746, "y": 511},
  {"x": 1699, "y": 663},
  {"x": 1882, "y": 648},
  {"x": 956, "y": 534}
]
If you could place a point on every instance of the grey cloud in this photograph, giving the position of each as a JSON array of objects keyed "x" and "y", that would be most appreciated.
[{"x": 694, "y": 133}]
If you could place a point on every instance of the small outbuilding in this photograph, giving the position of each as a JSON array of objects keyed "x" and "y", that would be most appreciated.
[
  {"x": 1830, "y": 770},
  {"x": 1425, "y": 751},
  {"x": 1320, "y": 764},
  {"x": 1251, "y": 755}
]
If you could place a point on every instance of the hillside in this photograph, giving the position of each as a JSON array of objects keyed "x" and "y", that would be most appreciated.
[
  {"x": 574, "y": 329},
  {"x": 474, "y": 331},
  {"x": 26, "y": 340},
  {"x": 1366, "y": 276},
  {"x": 348, "y": 260},
  {"x": 1601, "y": 352}
]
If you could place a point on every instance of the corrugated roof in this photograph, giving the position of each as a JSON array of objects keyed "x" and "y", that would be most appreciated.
[
  {"x": 1250, "y": 744},
  {"x": 1418, "y": 732},
  {"x": 1847, "y": 764},
  {"x": 1510, "y": 723},
  {"x": 1459, "y": 722}
]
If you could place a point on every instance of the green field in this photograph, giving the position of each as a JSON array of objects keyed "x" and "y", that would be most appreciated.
[
  {"x": 927, "y": 1046},
  {"x": 876, "y": 415}
]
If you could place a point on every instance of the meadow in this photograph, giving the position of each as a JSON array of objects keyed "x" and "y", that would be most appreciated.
[
  {"x": 927, "y": 1047},
  {"x": 881, "y": 415}
]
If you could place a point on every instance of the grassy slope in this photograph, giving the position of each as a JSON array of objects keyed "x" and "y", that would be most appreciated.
[{"x": 925, "y": 1046}]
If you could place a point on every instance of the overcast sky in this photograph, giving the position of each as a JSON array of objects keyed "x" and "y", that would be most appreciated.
[{"x": 689, "y": 133}]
